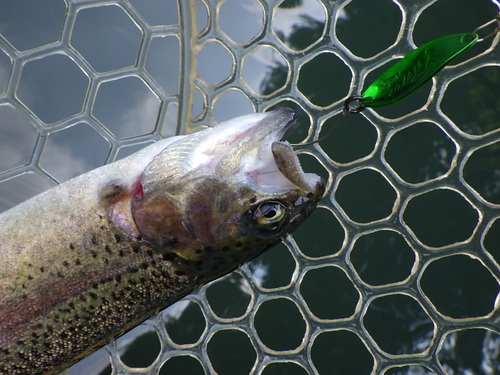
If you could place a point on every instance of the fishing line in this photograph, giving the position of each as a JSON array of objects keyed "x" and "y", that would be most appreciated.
[{"x": 411, "y": 72}]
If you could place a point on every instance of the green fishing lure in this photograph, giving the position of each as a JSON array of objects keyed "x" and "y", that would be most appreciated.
[
  {"x": 416, "y": 68},
  {"x": 411, "y": 72}
]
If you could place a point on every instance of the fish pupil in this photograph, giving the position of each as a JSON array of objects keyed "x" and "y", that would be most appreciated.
[{"x": 270, "y": 213}]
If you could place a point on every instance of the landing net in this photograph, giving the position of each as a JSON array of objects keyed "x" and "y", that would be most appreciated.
[{"x": 397, "y": 272}]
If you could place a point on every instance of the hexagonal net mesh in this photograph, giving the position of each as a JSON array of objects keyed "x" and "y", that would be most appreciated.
[{"x": 397, "y": 271}]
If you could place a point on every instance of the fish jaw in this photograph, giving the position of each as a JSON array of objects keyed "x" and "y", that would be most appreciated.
[
  {"x": 248, "y": 148},
  {"x": 251, "y": 147}
]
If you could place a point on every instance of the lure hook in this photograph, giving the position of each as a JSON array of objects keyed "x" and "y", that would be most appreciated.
[
  {"x": 487, "y": 24},
  {"x": 334, "y": 126},
  {"x": 348, "y": 109}
]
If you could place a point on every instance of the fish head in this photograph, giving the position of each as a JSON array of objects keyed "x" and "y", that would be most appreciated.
[{"x": 220, "y": 197}]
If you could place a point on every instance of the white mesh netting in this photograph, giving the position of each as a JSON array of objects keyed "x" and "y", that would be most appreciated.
[{"x": 397, "y": 272}]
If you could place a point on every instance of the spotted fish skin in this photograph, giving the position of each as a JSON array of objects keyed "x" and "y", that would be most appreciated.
[{"x": 95, "y": 256}]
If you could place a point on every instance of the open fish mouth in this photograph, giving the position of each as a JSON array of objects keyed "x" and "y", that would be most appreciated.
[
  {"x": 248, "y": 150},
  {"x": 268, "y": 160}
]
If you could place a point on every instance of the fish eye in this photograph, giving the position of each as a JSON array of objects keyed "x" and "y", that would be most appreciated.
[{"x": 269, "y": 213}]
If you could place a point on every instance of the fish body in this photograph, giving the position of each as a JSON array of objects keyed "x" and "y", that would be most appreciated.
[{"x": 95, "y": 256}]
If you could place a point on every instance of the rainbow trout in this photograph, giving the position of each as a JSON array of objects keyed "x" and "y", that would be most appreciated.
[{"x": 97, "y": 255}]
